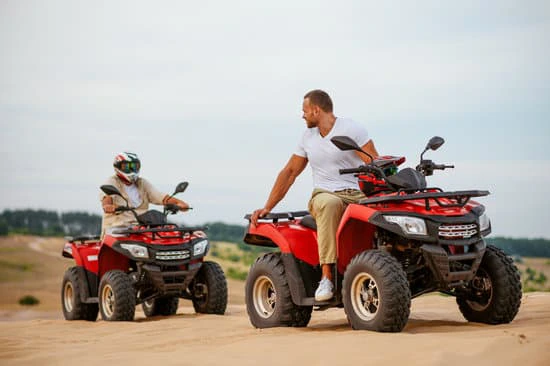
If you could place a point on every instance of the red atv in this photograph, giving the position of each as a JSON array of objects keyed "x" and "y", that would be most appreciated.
[
  {"x": 404, "y": 240},
  {"x": 153, "y": 263}
]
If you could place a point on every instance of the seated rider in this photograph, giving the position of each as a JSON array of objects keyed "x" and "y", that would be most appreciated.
[{"x": 138, "y": 191}]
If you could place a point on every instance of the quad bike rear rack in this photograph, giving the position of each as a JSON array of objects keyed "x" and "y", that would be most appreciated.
[
  {"x": 276, "y": 216},
  {"x": 461, "y": 198}
]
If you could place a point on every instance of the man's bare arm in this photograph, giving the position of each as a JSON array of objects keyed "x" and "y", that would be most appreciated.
[
  {"x": 296, "y": 165},
  {"x": 368, "y": 147}
]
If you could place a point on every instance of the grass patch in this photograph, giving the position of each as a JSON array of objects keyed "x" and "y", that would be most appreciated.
[
  {"x": 21, "y": 267},
  {"x": 9, "y": 250},
  {"x": 236, "y": 274}
]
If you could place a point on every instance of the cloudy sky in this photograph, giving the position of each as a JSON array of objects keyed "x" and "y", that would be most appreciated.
[{"x": 211, "y": 92}]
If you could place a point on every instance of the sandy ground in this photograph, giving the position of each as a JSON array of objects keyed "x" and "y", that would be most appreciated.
[{"x": 436, "y": 333}]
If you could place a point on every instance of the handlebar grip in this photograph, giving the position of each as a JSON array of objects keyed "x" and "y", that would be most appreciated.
[
  {"x": 172, "y": 207},
  {"x": 442, "y": 166},
  {"x": 351, "y": 170},
  {"x": 121, "y": 209}
]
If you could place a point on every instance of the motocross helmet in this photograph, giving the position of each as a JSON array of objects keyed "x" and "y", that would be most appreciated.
[{"x": 127, "y": 167}]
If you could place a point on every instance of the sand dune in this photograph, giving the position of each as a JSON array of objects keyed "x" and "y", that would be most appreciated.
[{"x": 436, "y": 334}]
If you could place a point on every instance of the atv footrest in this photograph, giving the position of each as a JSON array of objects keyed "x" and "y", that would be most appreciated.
[{"x": 91, "y": 300}]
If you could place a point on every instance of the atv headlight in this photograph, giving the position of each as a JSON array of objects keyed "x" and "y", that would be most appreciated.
[
  {"x": 484, "y": 222},
  {"x": 200, "y": 247},
  {"x": 137, "y": 251},
  {"x": 410, "y": 225}
]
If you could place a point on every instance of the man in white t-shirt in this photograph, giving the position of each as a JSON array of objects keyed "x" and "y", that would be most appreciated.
[
  {"x": 138, "y": 191},
  {"x": 331, "y": 191}
]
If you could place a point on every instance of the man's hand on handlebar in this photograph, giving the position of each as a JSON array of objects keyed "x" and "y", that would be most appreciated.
[
  {"x": 108, "y": 205},
  {"x": 259, "y": 213},
  {"x": 183, "y": 206},
  {"x": 109, "y": 208}
]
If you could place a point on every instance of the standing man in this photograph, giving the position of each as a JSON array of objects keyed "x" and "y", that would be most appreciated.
[{"x": 331, "y": 191}]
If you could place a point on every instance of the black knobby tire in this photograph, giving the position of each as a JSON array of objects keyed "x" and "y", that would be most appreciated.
[
  {"x": 74, "y": 282},
  {"x": 267, "y": 294},
  {"x": 161, "y": 306},
  {"x": 209, "y": 289},
  {"x": 501, "y": 295},
  {"x": 376, "y": 292},
  {"x": 117, "y": 297}
]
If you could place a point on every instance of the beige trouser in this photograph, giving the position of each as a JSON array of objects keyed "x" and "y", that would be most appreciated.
[{"x": 327, "y": 208}]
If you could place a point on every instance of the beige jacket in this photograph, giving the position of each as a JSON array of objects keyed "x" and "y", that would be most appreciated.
[{"x": 148, "y": 194}]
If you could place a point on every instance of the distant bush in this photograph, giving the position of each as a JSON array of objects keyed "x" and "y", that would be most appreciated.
[
  {"x": 234, "y": 257},
  {"x": 236, "y": 274},
  {"x": 533, "y": 280},
  {"x": 29, "y": 300},
  {"x": 218, "y": 231}
]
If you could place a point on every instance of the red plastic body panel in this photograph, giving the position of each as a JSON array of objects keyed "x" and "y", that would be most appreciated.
[
  {"x": 86, "y": 255},
  {"x": 290, "y": 237},
  {"x": 354, "y": 235}
]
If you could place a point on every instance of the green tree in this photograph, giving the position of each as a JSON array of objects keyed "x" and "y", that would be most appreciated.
[{"x": 3, "y": 227}]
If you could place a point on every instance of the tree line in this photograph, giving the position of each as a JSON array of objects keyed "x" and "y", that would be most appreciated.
[{"x": 51, "y": 223}]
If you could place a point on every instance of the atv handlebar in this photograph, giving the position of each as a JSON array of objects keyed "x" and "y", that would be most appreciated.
[
  {"x": 367, "y": 168},
  {"x": 427, "y": 167},
  {"x": 168, "y": 208}
]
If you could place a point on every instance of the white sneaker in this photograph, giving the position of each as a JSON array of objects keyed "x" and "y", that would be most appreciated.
[{"x": 325, "y": 290}]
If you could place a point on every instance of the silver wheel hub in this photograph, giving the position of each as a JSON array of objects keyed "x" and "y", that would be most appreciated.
[
  {"x": 365, "y": 297},
  {"x": 68, "y": 296},
  {"x": 482, "y": 287},
  {"x": 108, "y": 300},
  {"x": 264, "y": 297}
]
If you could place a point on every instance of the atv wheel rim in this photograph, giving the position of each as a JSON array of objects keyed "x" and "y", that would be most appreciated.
[
  {"x": 149, "y": 304},
  {"x": 108, "y": 301},
  {"x": 68, "y": 297},
  {"x": 365, "y": 297},
  {"x": 264, "y": 297},
  {"x": 482, "y": 288}
]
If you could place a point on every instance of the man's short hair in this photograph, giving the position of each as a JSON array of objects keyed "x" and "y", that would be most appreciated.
[{"x": 321, "y": 99}]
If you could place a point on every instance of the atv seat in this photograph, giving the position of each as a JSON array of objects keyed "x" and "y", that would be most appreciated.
[{"x": 309, "y": 222}]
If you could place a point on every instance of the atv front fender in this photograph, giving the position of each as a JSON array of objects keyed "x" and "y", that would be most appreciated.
[
  {"x": 109, "y": 260},
  {"x": 355, "y": 234}
]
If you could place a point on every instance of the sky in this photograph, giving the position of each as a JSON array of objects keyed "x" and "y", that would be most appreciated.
[{"x": 210, "y": 92}]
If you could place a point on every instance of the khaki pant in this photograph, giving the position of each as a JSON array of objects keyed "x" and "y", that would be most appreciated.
[{"x": 327, "y": 208}]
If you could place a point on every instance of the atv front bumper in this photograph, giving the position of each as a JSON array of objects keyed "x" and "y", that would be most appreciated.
[
  {"x": 166, "y": 282},
  {"x": 443, "y": 265}
]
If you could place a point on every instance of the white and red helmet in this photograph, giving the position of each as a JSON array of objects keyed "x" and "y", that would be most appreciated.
[{"x": 127, "y": 167}]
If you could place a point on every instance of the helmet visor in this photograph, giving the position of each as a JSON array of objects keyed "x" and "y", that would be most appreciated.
[{"x": 129, "y": 166}]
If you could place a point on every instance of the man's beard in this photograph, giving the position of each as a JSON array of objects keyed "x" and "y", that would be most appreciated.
[{"x": 311, "y": 124}]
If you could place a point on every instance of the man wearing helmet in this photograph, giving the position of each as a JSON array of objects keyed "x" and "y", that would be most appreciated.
[{"x": 138, "y": 191}]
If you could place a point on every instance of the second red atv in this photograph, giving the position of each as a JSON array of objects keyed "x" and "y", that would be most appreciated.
[
  {"x": 154, "y": 263},
  {"x": 404, "y": 240}
]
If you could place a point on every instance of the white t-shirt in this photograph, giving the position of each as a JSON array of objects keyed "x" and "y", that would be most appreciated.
[
  {"x": 326, "y": 159},
  {"x": 133, "y": 195}
]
